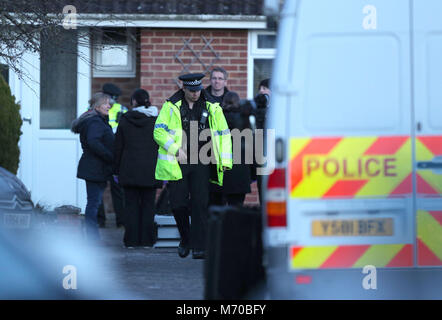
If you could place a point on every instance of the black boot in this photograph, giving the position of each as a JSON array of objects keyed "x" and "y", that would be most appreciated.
[
  {"x": 183, "y": 250},
  {"x": 182, "y": 222}
]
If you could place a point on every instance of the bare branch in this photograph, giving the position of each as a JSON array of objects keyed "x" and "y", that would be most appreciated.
[{"x": 25, "y": 24}]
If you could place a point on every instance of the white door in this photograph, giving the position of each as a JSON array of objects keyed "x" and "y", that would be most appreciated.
[
  {"x": 24, "y": 91},
  {"x": 49, "y": 150},
  {"x": 428, "y": 124}
]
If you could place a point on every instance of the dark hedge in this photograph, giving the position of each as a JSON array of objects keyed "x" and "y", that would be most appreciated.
[{"x": 10, "y": 125}]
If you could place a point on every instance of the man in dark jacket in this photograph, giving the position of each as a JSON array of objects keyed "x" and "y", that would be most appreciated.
[
  {"x": 135, "y": 162},
  {"x": 218, "y": 84},
  {"x": 217, "y": 89},
  {"x": 95, "y": 166}
]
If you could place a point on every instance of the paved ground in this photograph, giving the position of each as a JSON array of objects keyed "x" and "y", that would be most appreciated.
[
  {"x": 52, "y": 260},
  {"x": 155, "y": 273}
]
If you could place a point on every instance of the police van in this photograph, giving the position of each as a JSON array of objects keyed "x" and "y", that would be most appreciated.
[{"x": 353, "y": 200}]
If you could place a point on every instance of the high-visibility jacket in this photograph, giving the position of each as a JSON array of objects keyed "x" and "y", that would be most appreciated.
[
  {"x": 168, "y": 134},
  {"x": 114, "y": 115}
]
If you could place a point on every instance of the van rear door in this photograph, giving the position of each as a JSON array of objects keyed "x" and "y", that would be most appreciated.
[
  {"x": 350, "y": 126},
  {"x": 428, "y": 106}
]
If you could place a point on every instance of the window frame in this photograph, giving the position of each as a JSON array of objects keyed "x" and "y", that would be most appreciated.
[
  {"x": 109, "y": 71},
  {"x": 254, "y": 43},
  {"x": 256, "y": 53}
]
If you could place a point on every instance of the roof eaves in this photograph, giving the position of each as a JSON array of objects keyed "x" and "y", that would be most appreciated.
[{"x": 173, "y": 20}]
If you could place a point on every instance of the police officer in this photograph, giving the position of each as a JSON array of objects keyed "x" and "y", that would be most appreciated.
[
  {"x": 116, "y": 109},
  {"x": 183, "y": 117},
  {"x": 115, "y": 113},
  {"x": 262, "y": 100}
]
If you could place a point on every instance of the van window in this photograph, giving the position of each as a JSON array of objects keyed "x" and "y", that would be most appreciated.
[
  {"x": 353, "y": 82},
  {"x": 434, "y": 69}
]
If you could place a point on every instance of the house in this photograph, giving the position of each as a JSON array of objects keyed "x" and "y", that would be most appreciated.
[{"x": 153, "y": 42}]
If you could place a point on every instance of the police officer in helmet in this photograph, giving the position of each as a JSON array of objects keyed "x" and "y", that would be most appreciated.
[
  {"x": 191, "y": 110},
  {"x": 116, "y": 109}
]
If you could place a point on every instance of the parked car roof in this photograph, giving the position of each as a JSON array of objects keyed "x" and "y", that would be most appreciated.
[{"x": 13, "y": 193}]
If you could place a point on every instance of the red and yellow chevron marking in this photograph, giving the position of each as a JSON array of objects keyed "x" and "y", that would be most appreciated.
[
  {"x": 351, "y": 256},
  {"x": 350, "y": 167},
  {"x": 429, "y": 238},
  {"x": 429, "y": 184}
]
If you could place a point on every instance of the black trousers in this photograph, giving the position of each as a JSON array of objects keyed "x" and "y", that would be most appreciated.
[
  {"x": 259, "y": 180},
  {"x": 190, "y": 197},
  {"x": 117, "y": 194},
  {"x": 221, "y": 199},
  {"x": 139, "y": 216}
]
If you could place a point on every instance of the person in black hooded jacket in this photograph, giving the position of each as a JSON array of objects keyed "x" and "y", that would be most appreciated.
[
  {"x": 237, "y": 181},
  {"x": 95, "y": 166},
  {"x": 135, "y": 163}
]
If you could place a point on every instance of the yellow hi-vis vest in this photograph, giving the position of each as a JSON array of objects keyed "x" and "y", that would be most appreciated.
[
  {"x": 168, "y": 134},
  {"x": 114, "y": 112}
]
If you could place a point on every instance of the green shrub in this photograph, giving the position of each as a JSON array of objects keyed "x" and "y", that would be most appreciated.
[{"x": 10, "y": 124}]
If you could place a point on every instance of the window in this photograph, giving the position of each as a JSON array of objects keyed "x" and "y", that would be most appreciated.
[
  {"x": 266, "y": 41},
  {"x": 434, "y": 69},
  {"x": 262, "y": 52},
  {"x": 58, "y": 81},
  {"x": 114, "y": 53},
  {"x": 355, "y": 86}
]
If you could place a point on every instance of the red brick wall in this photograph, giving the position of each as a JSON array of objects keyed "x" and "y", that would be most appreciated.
[{"x": 160, "y": 68}]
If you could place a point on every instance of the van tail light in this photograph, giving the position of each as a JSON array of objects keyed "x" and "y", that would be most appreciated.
[
  {"x": 303, "y": 279},
  {"x": 276, "y": 199}
]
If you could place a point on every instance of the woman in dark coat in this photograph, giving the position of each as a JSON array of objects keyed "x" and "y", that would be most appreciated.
[
  {"x": 95, "y": 166},
  {"x": 236, "y": 183},
  {"x": 135, "y": 162}
]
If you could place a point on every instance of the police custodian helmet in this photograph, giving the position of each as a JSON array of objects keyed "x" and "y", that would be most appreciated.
[{"x": 192, "y": 81}]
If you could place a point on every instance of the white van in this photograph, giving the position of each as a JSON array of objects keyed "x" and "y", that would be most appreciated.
[{"x": 353, "y": 208}]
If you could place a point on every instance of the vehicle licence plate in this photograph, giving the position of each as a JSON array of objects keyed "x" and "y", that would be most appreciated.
[
  {"x": 16, "y": 220},
  {"x": 353, "y": 227}
]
